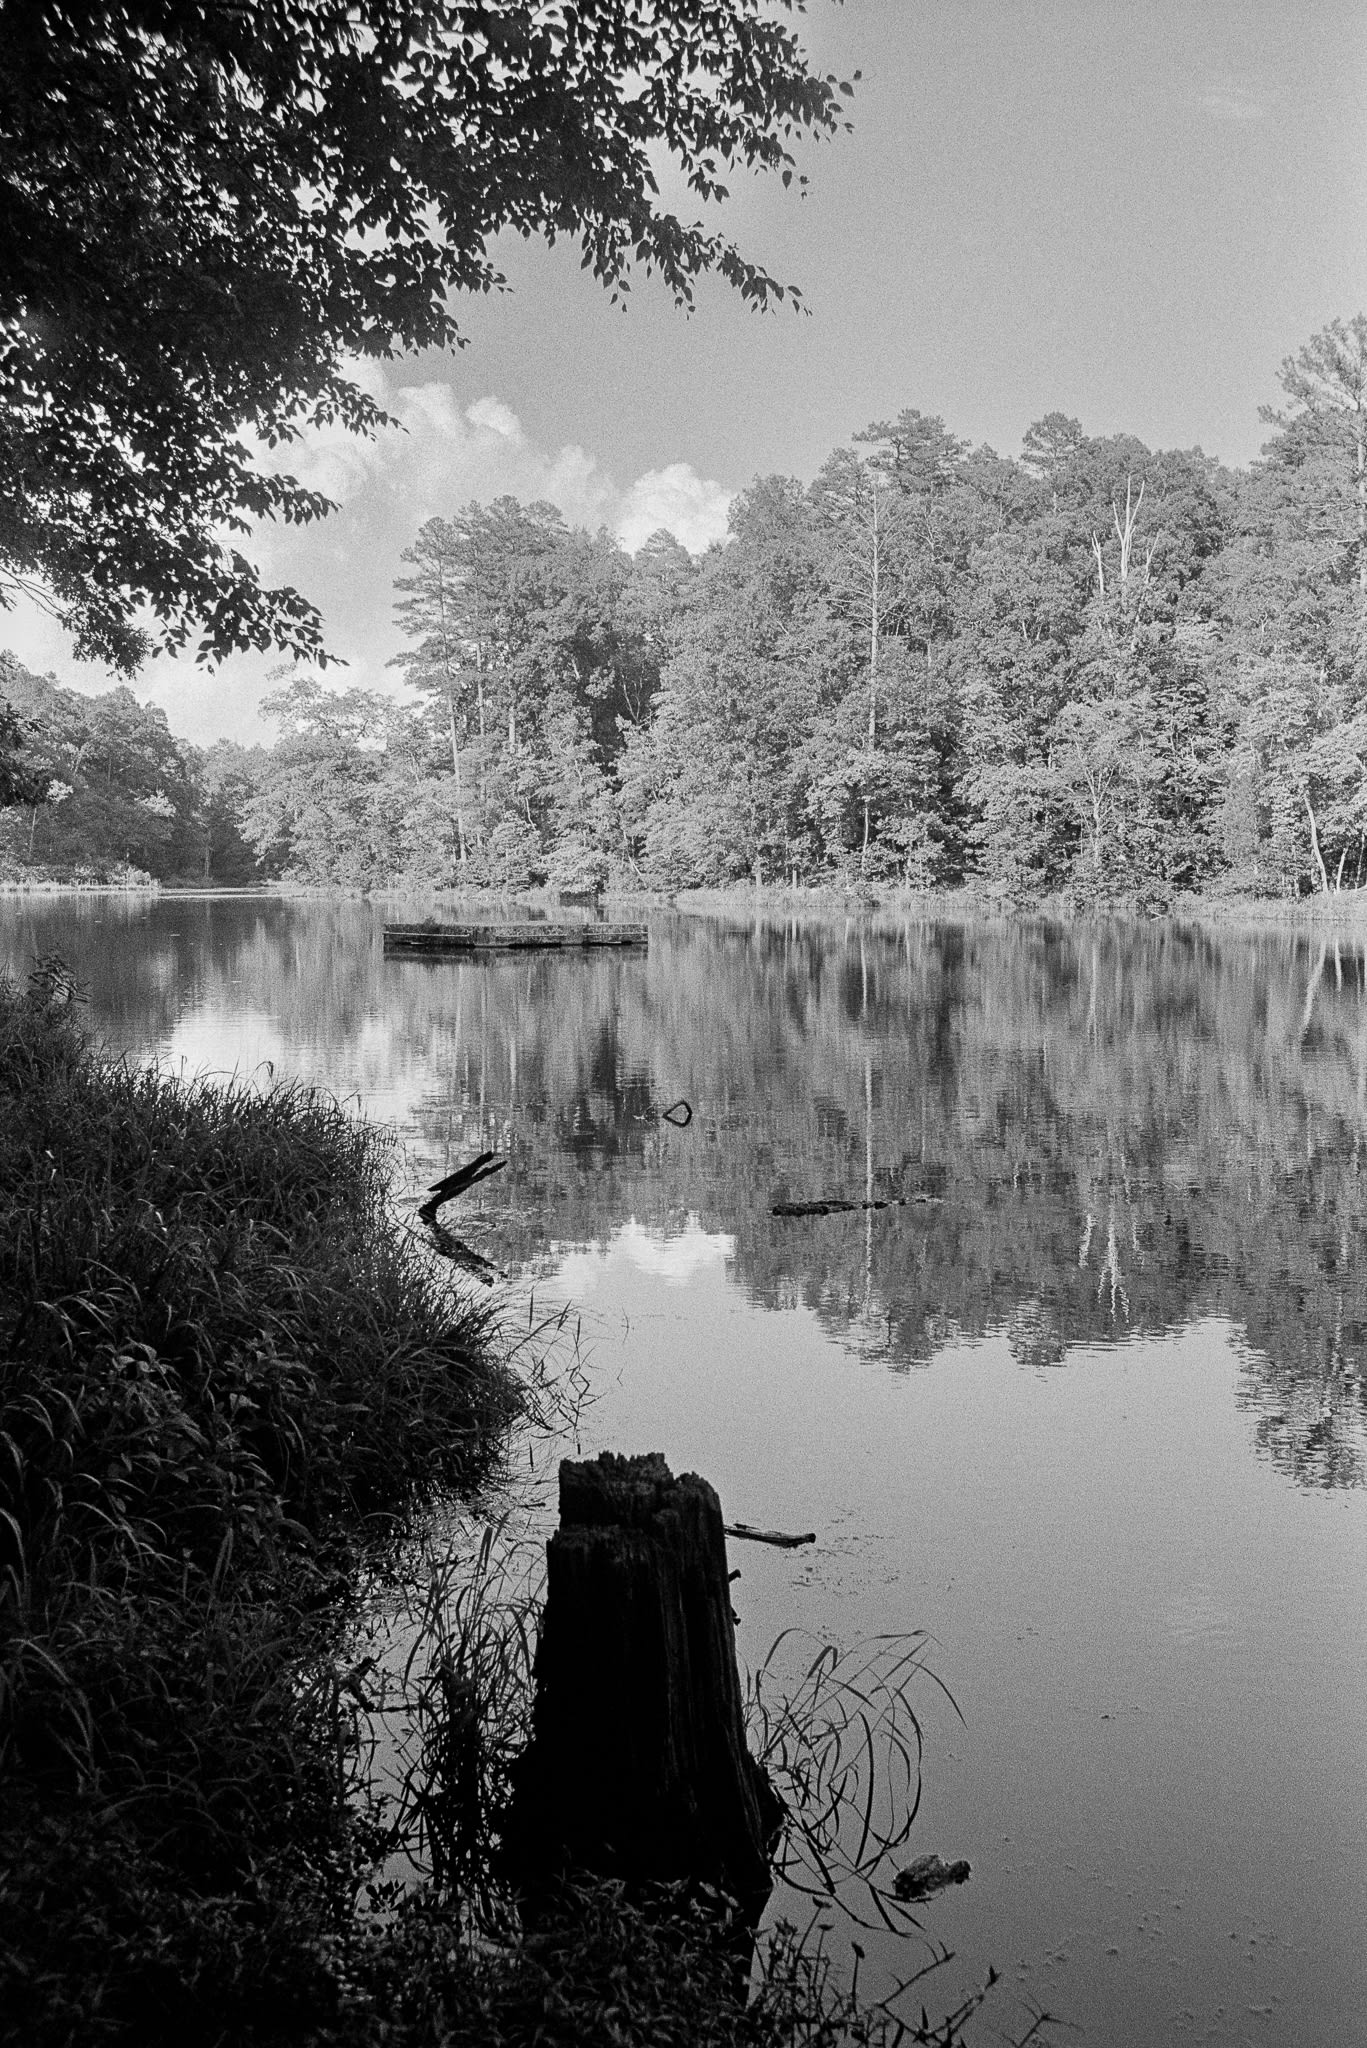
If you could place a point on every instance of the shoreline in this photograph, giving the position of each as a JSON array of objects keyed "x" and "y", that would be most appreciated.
[{"x": 962, "y": 905}]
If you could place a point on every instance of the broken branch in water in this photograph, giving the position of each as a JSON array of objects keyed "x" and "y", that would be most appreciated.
[
  {"x": 777, "y": 1536},
  {"x": 456, "y": 1183},
  {"x": 833, "y": 1205},
  {"x": 460, "y": 1253}
]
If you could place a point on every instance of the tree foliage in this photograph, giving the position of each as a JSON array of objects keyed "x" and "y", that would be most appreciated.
[
  {"x": 99, "y": 788},
  {"x": 206, "y": 210},
  {"x": 20, "y": 781}
]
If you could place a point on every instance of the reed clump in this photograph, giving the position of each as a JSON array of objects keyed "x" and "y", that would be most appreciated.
[
  {"x": 223, "y": 1377},
  {"x": 643, "y": 1972}
]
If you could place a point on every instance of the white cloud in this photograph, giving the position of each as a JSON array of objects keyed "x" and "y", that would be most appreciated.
[
  {"x": 330, "y": 460},
  {"x": 498, "y": 417},
  {"x": 444, "y": 456},
  {"x": 693, "y": 508},
  {"x": 438, "y": 458}
]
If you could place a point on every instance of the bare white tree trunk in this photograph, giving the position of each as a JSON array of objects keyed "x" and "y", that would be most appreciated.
[
  {"x": 455, "y": 765},
  {"x": 1132, "y": 588},
  {"x": 1315, "y": 845}
]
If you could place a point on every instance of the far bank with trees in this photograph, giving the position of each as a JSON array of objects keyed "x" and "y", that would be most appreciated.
[{"x": 1095, "y": 672}]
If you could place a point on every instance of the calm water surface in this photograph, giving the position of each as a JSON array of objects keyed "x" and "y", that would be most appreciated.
[{"x": 1095, "y": 1416}]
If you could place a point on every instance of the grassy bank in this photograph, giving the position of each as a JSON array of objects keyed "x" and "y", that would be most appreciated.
[
  {"x": 225, "y": 1377},
  {"x": 227, "y": 1388}
]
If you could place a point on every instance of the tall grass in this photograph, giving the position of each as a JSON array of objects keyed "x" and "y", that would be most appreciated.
[{"x": 224, "y": 1376}]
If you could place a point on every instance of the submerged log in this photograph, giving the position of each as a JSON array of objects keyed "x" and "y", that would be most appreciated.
[
  {"x": 436, "y": 939},
  {"x": 779, "y": 1537},
  {"x": 836, "y": 1205},
  {"x": 637, "y": 1768}
]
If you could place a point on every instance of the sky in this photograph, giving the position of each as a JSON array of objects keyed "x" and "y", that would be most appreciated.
[{"x": 1128, "y": 213}]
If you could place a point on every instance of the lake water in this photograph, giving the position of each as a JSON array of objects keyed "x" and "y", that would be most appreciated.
[{"x": 1094, "y": 1416}]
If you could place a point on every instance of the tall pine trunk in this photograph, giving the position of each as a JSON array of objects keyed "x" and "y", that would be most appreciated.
[{"x": 455, "y": 769}]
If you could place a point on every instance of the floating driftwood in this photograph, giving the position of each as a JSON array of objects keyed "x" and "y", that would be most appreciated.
[
  {"x": 477, "y": 1169},
  {"x": 445, "y": 1190},
  {"x": 437, "y": 939},
  {"x": 834, "y": 1205},
  {"x": 638, "y": 1768},
  {"x": 775, "y": 1536},
  {"x": 928, "y": 1875}
]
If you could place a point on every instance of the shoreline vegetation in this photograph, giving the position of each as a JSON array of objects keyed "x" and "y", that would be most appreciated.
[
  {"x": 967, "y": 905},
  {"x": 226, "y": 1386},
  {"x": 231, "y": 1388}
]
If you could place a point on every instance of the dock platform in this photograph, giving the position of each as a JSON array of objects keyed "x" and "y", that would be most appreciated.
[{"x": 542, "y": 935}]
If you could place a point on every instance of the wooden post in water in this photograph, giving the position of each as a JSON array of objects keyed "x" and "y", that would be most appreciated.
[{"x": 637, "y": 1767}]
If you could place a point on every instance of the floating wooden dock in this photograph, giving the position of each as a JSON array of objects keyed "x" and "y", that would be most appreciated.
[{"x": 429, "y": 939}]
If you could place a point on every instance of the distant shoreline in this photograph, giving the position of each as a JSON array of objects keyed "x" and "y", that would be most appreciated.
[{"x": 949, "y": 905}]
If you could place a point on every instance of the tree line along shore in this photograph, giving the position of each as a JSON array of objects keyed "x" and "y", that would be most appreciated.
[{"x": 1095, "y": 672}]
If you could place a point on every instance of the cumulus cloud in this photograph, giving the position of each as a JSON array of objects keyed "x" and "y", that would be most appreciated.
[
  {"x": 442, "y": 455},
  {"x": 438, "y": 457},
  {"x": 498, "y": 417},
  {"x": 691, "y": 507}
]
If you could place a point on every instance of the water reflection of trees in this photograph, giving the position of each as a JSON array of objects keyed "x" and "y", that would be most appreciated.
[{"x": 1125, "y": 1128}]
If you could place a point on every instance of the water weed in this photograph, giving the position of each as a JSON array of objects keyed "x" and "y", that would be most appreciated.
[{"x": 838, "y": 1732}]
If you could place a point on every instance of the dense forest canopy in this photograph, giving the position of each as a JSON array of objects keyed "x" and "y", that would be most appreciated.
[{"x": 1097, "y": 670}]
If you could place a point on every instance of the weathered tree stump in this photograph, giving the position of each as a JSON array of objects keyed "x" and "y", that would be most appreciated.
[{"x": 637, "y": 1768}]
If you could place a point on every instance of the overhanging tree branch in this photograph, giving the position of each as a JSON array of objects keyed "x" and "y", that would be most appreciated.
[{"x": 206, "y": 209}]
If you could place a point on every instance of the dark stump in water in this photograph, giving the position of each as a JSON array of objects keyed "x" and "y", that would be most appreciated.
[{"x": 637, "y": 1768}]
